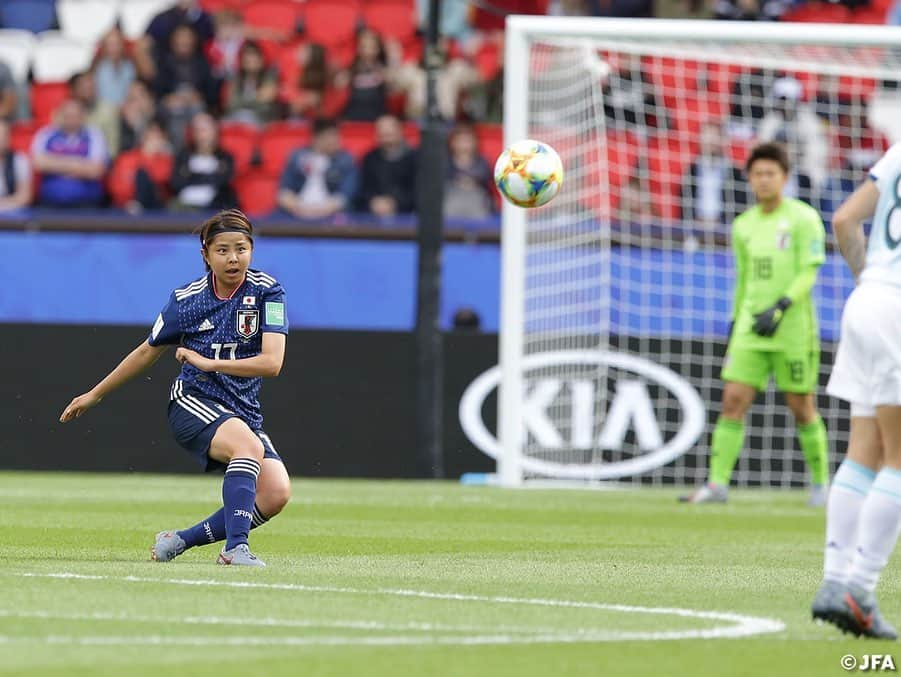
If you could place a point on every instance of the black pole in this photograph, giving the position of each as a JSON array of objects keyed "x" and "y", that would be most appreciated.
[{"x": 429, "y": 348}]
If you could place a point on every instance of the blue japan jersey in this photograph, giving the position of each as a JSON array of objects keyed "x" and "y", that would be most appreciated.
[{"x": 225, "y": 329}]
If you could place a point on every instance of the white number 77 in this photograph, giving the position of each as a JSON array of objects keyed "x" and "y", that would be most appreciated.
[{"x": 233, "y": 347}]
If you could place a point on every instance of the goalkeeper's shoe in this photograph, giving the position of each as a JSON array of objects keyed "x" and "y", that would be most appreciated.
[
  {"x": 818, "y": 495},
  {"x": 240, "y": 555},
  {"x": 708, "y": 493},
  {"x": 857, "y": 612},
  {"x": 168, "y": 546}
]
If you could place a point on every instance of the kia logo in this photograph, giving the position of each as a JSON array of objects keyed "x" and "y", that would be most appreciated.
[{"x": 630, "y": 409}]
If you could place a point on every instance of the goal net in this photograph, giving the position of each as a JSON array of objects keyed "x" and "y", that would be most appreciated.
[{"x": 617, "y": 296}]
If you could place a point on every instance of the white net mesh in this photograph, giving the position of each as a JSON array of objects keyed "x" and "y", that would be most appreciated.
[{"x": 633, "y": 256}]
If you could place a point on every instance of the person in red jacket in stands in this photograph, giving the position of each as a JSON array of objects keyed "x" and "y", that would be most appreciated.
[{"x": 140, "y": 177}]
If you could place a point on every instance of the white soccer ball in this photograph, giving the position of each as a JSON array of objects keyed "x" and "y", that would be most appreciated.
[{"x": 529, "y": 173}]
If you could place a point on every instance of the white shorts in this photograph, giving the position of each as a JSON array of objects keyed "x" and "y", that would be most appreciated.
[{"x": 867, "y": 369}]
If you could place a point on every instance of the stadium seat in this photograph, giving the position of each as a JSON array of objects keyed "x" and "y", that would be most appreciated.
[
  {"x": 668, "y": 159},
  {"x": 29, "y": 15},
  {"x": 331, "y": 22},
  {"x": 491, "y": 141},
  {"x": 213, "y": 6},
  {"x": 241, "y": 141},
  {"x": 46, "y": 98},
  {"x": 21, "y": 135},
  {"x": 278, "y": 141},
  {"x": 257, "y": 193},
  {"x": 819, "y": 12},
  {"x": 357, "y": 138},
  {"x": 16, "y": 50},
  {"x": 395, "y": 19},
  {"x": 280, "y": 15},
  {"x": 488, "y": 60},
  {"x": 869, "y": 15},
  {"x": 57, "y": 57},
  {"x": 86, "y": 20},
  {"x": 136, "y": 15}
]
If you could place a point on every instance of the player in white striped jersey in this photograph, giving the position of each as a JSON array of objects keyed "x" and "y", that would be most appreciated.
[
  {"x": 231, "y": 327},
  {"x": 863, "y": 514}
]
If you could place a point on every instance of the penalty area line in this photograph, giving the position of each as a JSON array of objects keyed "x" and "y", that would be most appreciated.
[{"x": 738, "y": 625}]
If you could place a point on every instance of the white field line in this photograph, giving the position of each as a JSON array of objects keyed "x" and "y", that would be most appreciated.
[
  {"x": 268, "y": 622},
  {"x": 739, "y": 625}
]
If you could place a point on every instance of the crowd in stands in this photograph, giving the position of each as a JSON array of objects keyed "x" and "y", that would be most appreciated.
[
  {"x": 213, "y": 105},
  {"x": 311, "y": 109}
]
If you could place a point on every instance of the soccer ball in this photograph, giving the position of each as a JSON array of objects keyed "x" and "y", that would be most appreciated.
[{"x": 529, "y": 173}]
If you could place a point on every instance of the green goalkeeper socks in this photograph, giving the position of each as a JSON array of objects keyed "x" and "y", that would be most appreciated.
[
  {"x": 815, "y": 448},
  {"x": 726, "y": 443}
]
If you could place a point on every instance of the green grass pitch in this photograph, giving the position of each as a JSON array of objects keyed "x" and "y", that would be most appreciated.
[{"x": 415, "y": 578}]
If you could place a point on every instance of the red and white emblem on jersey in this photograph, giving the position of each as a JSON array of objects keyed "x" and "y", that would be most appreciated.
[
  {"x": 249, "y": 301},
  {"x": 248, "y": 323}
]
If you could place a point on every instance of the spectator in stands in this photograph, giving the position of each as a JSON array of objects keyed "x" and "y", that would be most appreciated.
[
  {"x": 71, "y": 158},
  {"x": 150, "y": 50},
  {"x": 455, "y": 77},
  {"x": 15, "y": 174},
  {"x": 749, "y": 92},
  {"x": 630, "y": 98},
  {"x": 388, "y": 178},
  {"x": 367, "y": 78},
  {"x": 204, "y": 171},
  {"x": 253, "y": 90},
  {"x": 321, "y": 180},
  {"x": 140, "y": 177},
  {"x": 749, "y": 10},
  {"x": 635, "y": 203},
  {"x": 713, "y": 192},
  {"x": 184, "y": 83},
  {"x": 309, "y": 90},
  {"x": 466, "y": 186},
  {"x": 794, "y": 123},
  {"x": 642, "y": 9},
  {"x": 230, "y": 35},
  {"x": 8, "y": 95},
  {"x": 113, "y": 69},
  {"x": 453, "y": 22},
  {"x": 137, "y": 111},
  {"x": 100, "y": 114}
]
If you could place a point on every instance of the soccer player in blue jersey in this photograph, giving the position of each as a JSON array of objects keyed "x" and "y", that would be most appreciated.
[{"x": 230, "y": 327}]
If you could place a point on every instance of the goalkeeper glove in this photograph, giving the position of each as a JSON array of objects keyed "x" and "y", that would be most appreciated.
[{"x": 766, "y": 323}]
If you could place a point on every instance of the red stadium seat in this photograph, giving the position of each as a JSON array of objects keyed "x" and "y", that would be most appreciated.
[
  {"x": 488, "y": 60},
  {"x": 331, "y": 22},
  {"x": 491, "y": 141},
  {"x": 869, "y": 15},
  {"x": 357, "y": 138},
  {"x": 257, "y": 193},
  {"x": 213, "y": 6},
  {"x": 819, "y": 12},
  {"x": 394, "y": 19},
  {"x": 241, "y": 141},
  {"x": 46, "y": 97},
  {"x": 21, "y": 135},
  {"x": 278, "y": 141},
  {"x": 412, "y": 134},
  {"x": 280, "y": 15},
  {"x": 668, "y": 159}
]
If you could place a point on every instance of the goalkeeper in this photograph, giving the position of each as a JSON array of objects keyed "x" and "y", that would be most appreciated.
[{"x": 779, "y": 245}]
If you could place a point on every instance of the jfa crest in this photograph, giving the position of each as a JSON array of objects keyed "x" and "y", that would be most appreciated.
[
  {"x": 783, "y": 241},
  {"x": 248, "y": 323}
]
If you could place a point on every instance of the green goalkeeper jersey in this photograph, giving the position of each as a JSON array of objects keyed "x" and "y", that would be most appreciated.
[{"x": 777, "y": 254}]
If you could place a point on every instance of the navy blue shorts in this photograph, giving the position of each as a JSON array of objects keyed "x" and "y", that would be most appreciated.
[{"x": 194, "y": 421}]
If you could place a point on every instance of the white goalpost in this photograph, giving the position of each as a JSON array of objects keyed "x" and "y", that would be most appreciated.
[{"x": 616, "y": 297}]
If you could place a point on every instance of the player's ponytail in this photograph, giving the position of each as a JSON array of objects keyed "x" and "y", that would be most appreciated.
[{"x": 226, "y": 221}]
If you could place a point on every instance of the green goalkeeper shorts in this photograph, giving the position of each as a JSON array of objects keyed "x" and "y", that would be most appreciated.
[{"x": 794, "y": 370}]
